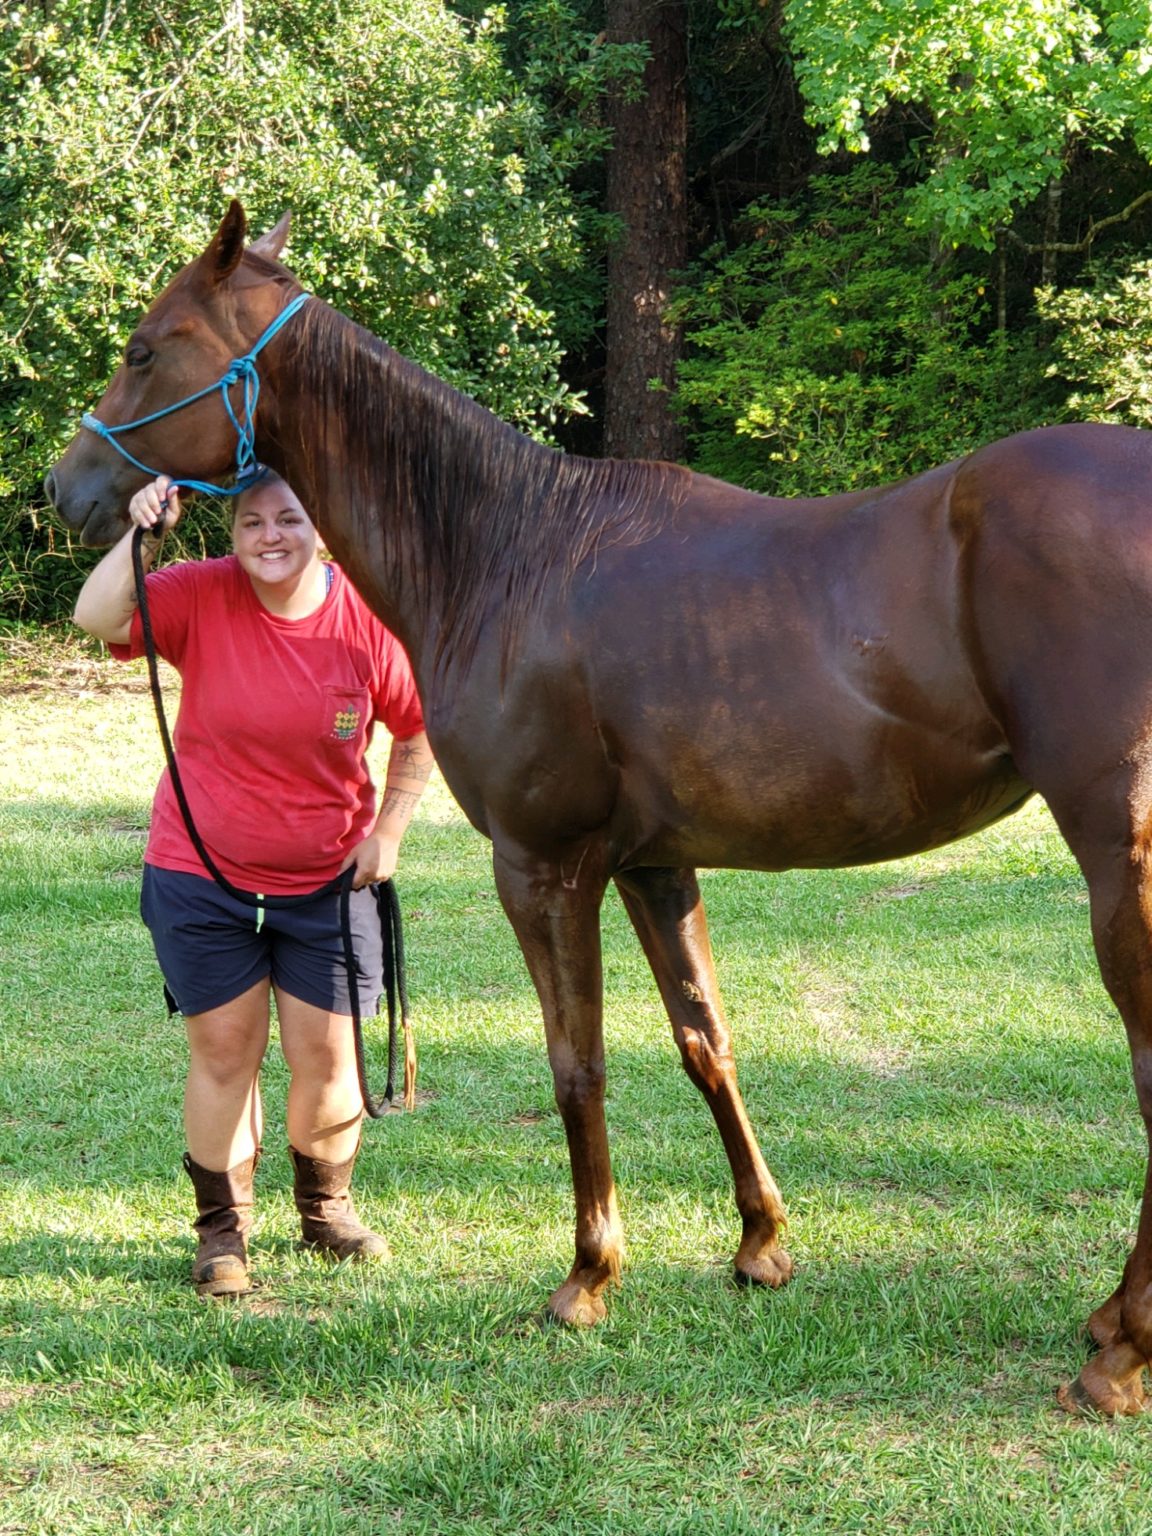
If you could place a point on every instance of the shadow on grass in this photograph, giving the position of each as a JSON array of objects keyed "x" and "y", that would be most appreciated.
[{"x": 882, "y": 1328}]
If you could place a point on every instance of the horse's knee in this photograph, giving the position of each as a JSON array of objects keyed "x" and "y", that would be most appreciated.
[{"x": 576, "y": 1087}]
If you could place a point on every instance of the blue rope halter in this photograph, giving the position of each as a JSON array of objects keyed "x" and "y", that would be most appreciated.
[{"x": 242, "y": 371}]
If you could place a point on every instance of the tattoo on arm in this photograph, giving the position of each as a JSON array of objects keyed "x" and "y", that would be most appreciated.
[
  {"x": 410, "y": 762},
  {"x": 399, "y": 801}
]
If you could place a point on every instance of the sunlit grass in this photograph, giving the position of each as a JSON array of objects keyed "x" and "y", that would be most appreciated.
[{"x": 940, "y": 1086}]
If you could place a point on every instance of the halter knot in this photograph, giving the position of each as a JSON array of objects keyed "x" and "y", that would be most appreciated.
[{"x": 241, "y": 370}]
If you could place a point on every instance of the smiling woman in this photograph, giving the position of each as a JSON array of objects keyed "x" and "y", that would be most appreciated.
[
  {"x": 277, "y": 546},
  {"x": 285, "y": 672}
]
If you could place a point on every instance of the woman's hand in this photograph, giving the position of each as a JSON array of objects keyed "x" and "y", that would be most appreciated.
[
  {"x": 154, "y": 503},
  {"x": 410, "y": 765},
  {"x": 107, "y": 600},
  {"x": 374, "y": 859}
]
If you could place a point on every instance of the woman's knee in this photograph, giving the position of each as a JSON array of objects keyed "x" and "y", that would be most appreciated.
[
  {"x": 228, "y": 1043},
  {"x": 317, "y": 1045},
  {"x": 320, "y": 1059}
]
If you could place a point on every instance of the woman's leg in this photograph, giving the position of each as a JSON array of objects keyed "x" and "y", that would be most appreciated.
[
  {"x": 222, "y": 1121},
  {"x": 324, "y": 1103},
  {"x": 222, "y": 1110},
  {"x": 324, "y": 1113}
]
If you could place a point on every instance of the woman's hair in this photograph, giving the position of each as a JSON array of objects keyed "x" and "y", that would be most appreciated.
[{"x": 269, "y": 480}]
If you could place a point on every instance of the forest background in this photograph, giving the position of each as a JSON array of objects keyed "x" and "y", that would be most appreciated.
[{"x": 806, "y": 246}]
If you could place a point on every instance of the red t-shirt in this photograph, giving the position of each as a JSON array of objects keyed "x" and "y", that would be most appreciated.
[{"x": 275, "y": 717}]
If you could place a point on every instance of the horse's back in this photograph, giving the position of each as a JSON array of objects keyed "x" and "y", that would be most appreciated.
[{"x": 771, "y": 683}]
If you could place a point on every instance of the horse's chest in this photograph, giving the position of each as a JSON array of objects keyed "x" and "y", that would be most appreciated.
[{"x": 531, "y": 766}]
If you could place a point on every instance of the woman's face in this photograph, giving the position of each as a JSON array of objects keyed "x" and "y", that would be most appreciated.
[{"x": 273, "y": 536}]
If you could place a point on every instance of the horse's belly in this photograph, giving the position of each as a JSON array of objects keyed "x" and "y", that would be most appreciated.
[{"x": 841, "y": 810}]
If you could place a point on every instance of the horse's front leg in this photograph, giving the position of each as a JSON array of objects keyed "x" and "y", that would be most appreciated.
[
  {"x": 668, "y": 914},
  {"x": 555, "y": 912}
]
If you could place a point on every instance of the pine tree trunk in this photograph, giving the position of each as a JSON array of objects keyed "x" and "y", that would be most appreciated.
[{"x": 647, "y": 192}]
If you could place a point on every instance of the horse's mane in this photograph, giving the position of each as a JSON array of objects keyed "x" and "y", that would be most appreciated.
[{"x": 483, "y": 514}]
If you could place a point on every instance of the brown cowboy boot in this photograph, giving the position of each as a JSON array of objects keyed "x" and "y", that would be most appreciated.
[
  {"x": 224, "y": 1201},
  {"x": 328, "y": 1218}
]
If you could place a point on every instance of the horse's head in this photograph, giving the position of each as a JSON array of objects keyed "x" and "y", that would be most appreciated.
[{"x": 210, "y": 313}]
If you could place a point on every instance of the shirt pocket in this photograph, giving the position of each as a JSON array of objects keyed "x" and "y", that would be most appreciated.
[{"x": 345, "y": 718}]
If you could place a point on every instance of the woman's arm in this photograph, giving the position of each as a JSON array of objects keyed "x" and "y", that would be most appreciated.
[
  {"x": 107, "y": 599},
  {"x": 410, "y": 765}
]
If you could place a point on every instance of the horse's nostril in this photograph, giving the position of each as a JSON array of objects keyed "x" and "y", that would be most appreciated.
[{"x": 50, "y": 487}]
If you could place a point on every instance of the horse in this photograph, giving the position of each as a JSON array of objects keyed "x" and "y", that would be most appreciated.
[{"x": 630, "y": 671}]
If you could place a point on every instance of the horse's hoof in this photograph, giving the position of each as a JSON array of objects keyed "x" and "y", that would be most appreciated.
[
  {"x": 772, "y": 1269},
  {"x": 575, "y": 1306},
  {"x": 1093, "y": 1398}
]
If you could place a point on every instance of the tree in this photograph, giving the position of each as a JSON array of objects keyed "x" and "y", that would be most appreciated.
[
  {"x": 647, "y": 193},
  {"x": 429, "y": 202},
  {"x": 849, "y": 330},
  {"x": 1008, "y": 91},
  {"x": 821, "y": 359},
  {"x": 1102, "y": 341}
]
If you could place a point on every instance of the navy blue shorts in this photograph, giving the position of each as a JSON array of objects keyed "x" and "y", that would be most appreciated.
[{"x": 210, "y": 951}]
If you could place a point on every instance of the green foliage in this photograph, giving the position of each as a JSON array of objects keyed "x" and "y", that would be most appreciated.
[
  {"x": 1007, "y": 88},
  {"x": 1103, "y": 343},
  {"x": 428, "y": 195},
  {"x": 562, "y": 58},
  {"x": 822, "y": 358}
]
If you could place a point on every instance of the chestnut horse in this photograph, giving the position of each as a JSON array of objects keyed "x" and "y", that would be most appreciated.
[{"x": 629, "y": 671}]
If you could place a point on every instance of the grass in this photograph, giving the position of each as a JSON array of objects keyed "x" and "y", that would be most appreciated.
[{"x": 940, "y": 1085}]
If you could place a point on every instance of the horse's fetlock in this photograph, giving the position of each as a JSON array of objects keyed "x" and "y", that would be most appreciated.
[{"x": 1136, "y": 1319}]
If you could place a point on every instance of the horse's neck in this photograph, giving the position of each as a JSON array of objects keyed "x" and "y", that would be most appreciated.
[{"x": 418, "y": 491}]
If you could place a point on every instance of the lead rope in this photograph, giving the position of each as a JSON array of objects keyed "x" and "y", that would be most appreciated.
[{"x": 387, "y": 902}]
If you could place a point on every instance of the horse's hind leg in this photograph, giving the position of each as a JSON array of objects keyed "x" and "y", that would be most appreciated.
[
  {"x": 1120, "y": 883},
  {"x": 668, "y": 914}
]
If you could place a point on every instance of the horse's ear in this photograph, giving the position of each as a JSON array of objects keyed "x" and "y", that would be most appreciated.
[
  {"x": 222, "y": 257},
  {"x": 274, "y": 241}
]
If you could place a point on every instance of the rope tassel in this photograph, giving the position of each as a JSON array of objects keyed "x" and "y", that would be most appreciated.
[{"x": 409, "y": 1065}]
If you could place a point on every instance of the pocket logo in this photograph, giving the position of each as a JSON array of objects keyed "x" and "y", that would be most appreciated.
[{"x": 346, "y": 724}]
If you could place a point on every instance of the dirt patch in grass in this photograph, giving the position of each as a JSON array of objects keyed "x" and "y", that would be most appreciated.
[
  {"x": 54, "y": 662},
  {"x": 828, "y": 1005},
  {"x": 19, "y": 1392}
]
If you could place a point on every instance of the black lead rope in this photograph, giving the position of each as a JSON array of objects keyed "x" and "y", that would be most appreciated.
[{"x": 387, "y": 902}]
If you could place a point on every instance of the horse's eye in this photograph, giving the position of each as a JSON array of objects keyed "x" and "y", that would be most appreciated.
[{"x": 138, "y": 355}]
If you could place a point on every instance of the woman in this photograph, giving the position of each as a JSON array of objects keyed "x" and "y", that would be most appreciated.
[{"x": 284, "y": 671}]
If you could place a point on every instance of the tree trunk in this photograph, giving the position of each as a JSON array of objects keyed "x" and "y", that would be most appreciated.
[
  {"x": 647, "y": 192},
  {"x": 1051, "y": 233}
]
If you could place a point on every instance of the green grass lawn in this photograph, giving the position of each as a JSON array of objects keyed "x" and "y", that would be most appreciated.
[{"x": 940, "y": 1085}]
